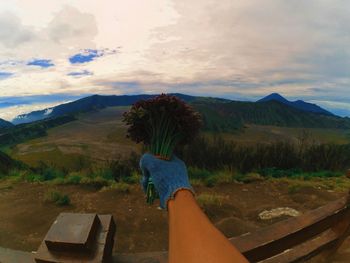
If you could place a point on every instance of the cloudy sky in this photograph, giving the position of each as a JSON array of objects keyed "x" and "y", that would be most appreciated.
[{"x": 54, "y": 51}]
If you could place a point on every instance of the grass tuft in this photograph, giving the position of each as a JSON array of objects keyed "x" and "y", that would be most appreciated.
[
  {"x": 57, "y": 198},
  {"x": 119, "y": 187},
  {"x": 207, "y": 199}
]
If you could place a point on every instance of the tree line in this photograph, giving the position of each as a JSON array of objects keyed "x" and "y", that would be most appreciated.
[{"x": 218, "y": 153}]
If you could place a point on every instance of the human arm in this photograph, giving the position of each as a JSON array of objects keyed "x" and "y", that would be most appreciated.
[{"x": 192, "y": 237}]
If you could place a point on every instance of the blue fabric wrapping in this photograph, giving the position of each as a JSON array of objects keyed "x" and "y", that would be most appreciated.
[{"x": 168, "y": 176}]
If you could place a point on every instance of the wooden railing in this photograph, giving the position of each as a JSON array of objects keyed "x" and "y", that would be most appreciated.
[
  {"x": 298, "y": 238},
  {"x": 291, "y": 240}
]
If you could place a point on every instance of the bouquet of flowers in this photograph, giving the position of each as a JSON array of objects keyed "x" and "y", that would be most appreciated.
[{"x": 162, "y": 123}]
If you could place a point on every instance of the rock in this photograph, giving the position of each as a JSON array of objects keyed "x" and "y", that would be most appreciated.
[{"x": 278, "y": 212}]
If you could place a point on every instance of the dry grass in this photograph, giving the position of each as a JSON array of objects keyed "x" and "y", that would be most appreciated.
[
  {"x": 99, "y": 136},
  {"x": 338, "y": 184},
  {"x": 119, "y": 187},
  {"x": 263, "y": 133},
  {"x": 208, "y": 199}
]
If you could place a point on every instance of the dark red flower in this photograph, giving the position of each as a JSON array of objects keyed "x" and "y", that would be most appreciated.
[{"x": 164, "y": 116}]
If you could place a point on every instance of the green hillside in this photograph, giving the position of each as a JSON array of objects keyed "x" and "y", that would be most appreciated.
[
  {"x": 99, "y": 135},
  {"x": 23, "y": 132},
  {"x": 7, "y": 164},
  {"x": 5, "y": 124},
  {"x": 232, "y": 115},
  {"x": 93, "y": 137}
]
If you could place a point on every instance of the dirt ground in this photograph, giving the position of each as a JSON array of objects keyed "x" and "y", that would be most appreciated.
[{"x": 25, "y": 217}]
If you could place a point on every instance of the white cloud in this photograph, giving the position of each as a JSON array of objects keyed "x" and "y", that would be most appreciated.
[{"x": 10, "y": 113}]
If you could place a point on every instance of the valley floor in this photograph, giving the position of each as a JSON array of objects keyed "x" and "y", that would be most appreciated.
[
  {"x": 25, "y": 217},
  {"x": 101, "y": 136}
]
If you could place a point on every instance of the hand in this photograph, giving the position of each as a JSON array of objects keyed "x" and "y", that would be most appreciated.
[{"x": 168, "y": 176}]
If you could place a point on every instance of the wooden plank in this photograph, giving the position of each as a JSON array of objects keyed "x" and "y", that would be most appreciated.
[
  {"x": 274, "y": 239},
  {"x": 305, "y": 250},
  {"x": 72, "y": 232}
]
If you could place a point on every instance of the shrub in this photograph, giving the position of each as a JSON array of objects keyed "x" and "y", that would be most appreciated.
[
  {"x": 133, "y": 179},
  {"x": 276, "y": 159},
  {"x": 97, "y": 182},
  {"x": 124, "y": 168},
  {"x": 33, "y": 177},
  {"x": 103, "y": 173},
  {"x": 225, "y": 176},
  {"x": 198, "y": 173},
  {"x": 73, "y": 178},
  {"x": 57, "y": 198},
  {"x": 210, "y": 181},
  {"x": 51, "y": 173},
  {"x": 15, "y": 173}
]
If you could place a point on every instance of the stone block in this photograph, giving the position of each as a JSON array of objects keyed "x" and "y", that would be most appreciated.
[
  {"x": 71, "y": 235},
  {"x": 72, "y": 232}
]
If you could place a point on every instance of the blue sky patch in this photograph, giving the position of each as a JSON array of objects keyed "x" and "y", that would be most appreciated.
[
  {"x": 43, "y": 63},
  {"x": 80, "y": 73},
  {"x": 85, "y": 56},
  {"x": 5, "y": 75}
]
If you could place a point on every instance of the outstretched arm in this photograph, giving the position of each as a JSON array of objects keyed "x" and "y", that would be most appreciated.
[{"x": 193, "y": 238}]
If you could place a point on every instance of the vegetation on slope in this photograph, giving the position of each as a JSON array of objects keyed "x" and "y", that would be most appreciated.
[
  {"x": 210, "y": 161},
  {"x": 5, "y": 124},
  {"x": 219, "y": 114},
  {"x": 229, "y": 116},
  {"x": 88, "y": 104},
  {"x": 7, "y": 164},
  {"x": 219, "y": 154},
  {"x": 29, "y": 131}
]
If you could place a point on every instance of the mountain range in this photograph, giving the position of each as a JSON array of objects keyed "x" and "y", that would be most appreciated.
[
  {"x": 91, "y": 103},
  {"x": 5, "y": 124},
  {"x": 298, "y": 104},
  {"x": 218, "y": 114}
]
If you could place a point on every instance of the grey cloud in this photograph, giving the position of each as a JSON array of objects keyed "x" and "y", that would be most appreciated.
[
  {"x": 12, "y": 32},
  {"x": 289, "y": 45},
  {"x": 69, "y": 29},
  {"x": 333, "y": 62},
  {"x": 70, "y": 24}
]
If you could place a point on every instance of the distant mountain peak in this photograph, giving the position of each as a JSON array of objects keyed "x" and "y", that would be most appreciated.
[
  {"x": 298, "y": 104},
  {"x": 274, "y": 96}
]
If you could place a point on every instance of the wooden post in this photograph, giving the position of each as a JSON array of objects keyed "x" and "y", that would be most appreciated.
[{"x": 79, "y": 238}]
